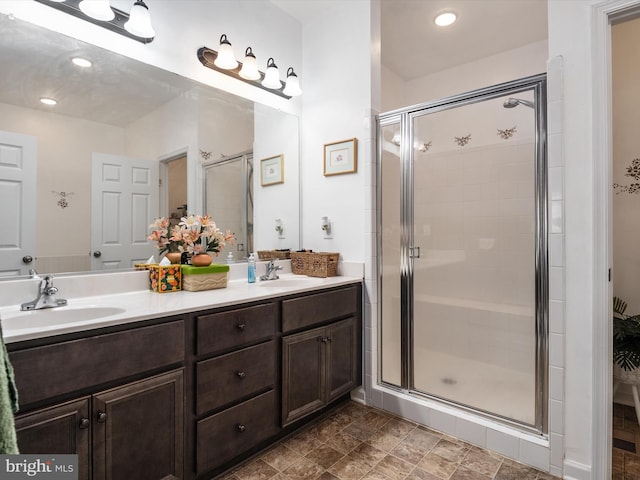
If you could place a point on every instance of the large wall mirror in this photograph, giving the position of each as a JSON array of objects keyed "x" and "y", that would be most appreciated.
[{"x": 125, "y": 143}]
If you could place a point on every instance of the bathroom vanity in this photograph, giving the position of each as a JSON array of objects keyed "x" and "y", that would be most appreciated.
[{"x": 189, "y": 394}]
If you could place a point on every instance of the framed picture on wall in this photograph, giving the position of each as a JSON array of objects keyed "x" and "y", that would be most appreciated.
[
  {"x": 341, "y": 157},
  {"x": 272, "y": 170}
]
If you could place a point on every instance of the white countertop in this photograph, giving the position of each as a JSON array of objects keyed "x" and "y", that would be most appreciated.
[{"x": 143, "y": 304}]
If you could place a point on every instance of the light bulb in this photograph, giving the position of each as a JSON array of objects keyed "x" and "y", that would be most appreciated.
[
  {"x": 98, "y": 9},
  {"x": 292, "y": 87},
  {"x": 249, "y": 70},
  {"x": 139, "y": 23},
  {"x": 225, "y": 59},
  {"x": 271, "y": 76},
  {"x": 48, "y": 101},
  {"x": 81, "y": 62}
]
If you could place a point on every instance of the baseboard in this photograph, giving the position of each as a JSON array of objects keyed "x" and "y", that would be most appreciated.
[{"x": 576, "y": 471}]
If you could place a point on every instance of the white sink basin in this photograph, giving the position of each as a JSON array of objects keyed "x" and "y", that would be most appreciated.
[{"x": 55, "y": 316}]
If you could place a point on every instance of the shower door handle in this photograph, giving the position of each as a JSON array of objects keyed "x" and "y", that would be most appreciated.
[{"x": 414, "y": 252}]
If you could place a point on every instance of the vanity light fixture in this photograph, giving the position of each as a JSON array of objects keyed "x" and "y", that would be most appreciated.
[
  {"x": 445, "y": 19},
  {"x": 247, "y": 71},
  {"x": 135, "y": 25},
  {"x": 48, "y": 101}
]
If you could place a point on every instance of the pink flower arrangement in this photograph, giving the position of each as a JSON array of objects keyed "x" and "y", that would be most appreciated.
[{"x": 194, "y": 234}]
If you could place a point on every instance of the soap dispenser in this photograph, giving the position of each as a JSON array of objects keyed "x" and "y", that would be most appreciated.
[{"x": 251, "y": 269}]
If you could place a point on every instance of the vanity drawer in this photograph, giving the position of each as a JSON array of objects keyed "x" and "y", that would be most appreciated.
[
  {"x": 226, "y": 330},
  {"x": 53, "y": 370},
  {"x": 223, "y": 379},
  {"x": 314, "y": 309},
  {"x": 231, "y": 432}
]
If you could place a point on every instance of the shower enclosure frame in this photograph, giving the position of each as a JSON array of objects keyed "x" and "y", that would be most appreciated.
[{"x": 404, "y": 117}]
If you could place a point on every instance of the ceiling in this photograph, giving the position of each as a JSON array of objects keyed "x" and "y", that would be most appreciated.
[{"x": 413, "y": 46}]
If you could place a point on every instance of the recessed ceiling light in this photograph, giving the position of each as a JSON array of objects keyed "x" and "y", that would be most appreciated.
[
  {"x": 48, "y": 101},
  {"x": 81, "y": 62},
  {"x": 445, "y": 19}
]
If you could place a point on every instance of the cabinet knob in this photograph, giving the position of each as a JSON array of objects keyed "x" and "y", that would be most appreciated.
[
  {"x": 84, "y": 423},
  {"x": 241, "y": 374},
  {"x": 241, "y": 326},
  {"x": 241, "y": 428},
  {"x": 101, "y": 417},
  {"x": 324, "y": 339}
]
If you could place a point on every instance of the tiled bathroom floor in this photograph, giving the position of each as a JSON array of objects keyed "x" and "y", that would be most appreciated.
[
  {"x": 359, "y": 442},
  {"x": 626, "y": 443}
]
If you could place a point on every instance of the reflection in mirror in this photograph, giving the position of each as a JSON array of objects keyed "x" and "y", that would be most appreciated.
[
  {"x": 222, "y": 178},
  {"x": 118, "y": 125}
]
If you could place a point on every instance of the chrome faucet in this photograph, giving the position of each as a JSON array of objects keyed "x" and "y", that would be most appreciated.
[
  {"x": 46, "y": 296},
  {"x": 271, "y": 273}
]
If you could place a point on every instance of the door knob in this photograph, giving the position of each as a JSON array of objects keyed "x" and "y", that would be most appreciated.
[
  {"x": 27, "y": 259},
  {"x": 97, "y": 254}
]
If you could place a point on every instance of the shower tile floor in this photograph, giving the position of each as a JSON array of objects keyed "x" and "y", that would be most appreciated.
[{"x": 358, "y": 442}]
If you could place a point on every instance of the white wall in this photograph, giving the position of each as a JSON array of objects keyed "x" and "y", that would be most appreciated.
[
  {"x": 65, "y": 145},
  {"x": 337, "y": 106}
]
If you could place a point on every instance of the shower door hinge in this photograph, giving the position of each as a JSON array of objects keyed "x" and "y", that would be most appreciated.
[{"x": 414, "y": 252}]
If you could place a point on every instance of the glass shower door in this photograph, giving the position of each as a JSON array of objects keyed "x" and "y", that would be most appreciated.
[{"x": 473, "y": 298}]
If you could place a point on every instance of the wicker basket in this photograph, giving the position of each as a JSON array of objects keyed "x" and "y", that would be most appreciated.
[
  {"x": 315, "y": 264},
  {"x": 274, "y": 254},
  {"x": 196, "y": 279}
]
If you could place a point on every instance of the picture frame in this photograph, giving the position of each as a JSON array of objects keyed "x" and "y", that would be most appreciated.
[
  {"x": 341, "y": 157},
  {"x": 272, "y": 170}
]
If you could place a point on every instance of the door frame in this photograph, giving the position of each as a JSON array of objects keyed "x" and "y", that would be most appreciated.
[{"x": 604, "y": 14}]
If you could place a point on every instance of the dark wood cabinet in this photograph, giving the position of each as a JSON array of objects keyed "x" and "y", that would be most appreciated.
[
  {"x": 235, "y": 384},
  {"x": 113, "y": 397},
  {"x": 62, "y": 429},
  {"x": 187, "y": 397},
  {"x": 318, "y": 366},
  {"x": 132, "y": 431},
  {"x": 138, "y": 429}
]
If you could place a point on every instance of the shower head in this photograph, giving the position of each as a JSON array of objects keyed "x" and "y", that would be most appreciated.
[{"x": 514, "y": 102}]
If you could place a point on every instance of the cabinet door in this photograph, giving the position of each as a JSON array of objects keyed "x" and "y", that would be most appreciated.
[
  {"x": 138, "y": 430},
  {"x": 62, "y": 429},
  {"x": 343, "y": 358},
  {"x": 303, "y": 374}
]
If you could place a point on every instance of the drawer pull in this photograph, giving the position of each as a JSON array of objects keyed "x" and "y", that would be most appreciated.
[
  {"x": 241, "y": 374},
  {"x": 84, "y": 423},
  {"x": 241, "y": 428},
  {"x": 241, "y": 326},
  {"x": 101, "y": 417}
]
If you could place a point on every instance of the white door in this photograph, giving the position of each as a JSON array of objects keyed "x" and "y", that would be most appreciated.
[
  {"x": 124, "y": 201},
  {"x": 18, "y": 160}
]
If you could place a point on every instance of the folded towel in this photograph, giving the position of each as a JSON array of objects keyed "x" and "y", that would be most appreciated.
[{"x": 8, "y": 403}]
